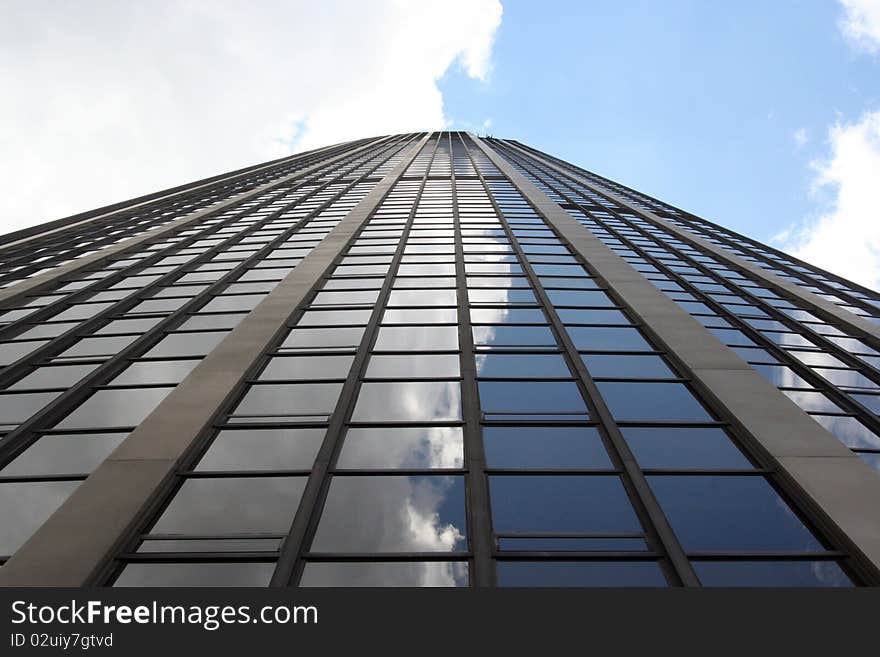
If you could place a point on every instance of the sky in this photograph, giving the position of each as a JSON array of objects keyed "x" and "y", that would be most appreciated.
[{"x": 761, "y": 116}]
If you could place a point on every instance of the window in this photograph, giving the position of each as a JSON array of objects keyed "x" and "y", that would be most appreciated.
[
  {"x": 232, "y": 505},
  {"x": 25, "y": 505},
  {"x": 580, "y": 573},
  {"x": 771, "y": 573},
  {"x": 420, "y": 316},
  {"x": 12, "y": 351},
  {"x": 402, "y": 448},
  {"x": 334, "y": 317},
  {"x": 157, "y": 306},
  {"x": 413, "y": 366},
  {"x": 232, "y": 302},
  {"x": 288, "y": 402},
  {"x": 533, "y": 366},
  {"x": 122, "y": 407},
  {"x": 63, "y": 454},
  {"x": 346, "y": 298},
  {"x": 561, "y": 504},
  {"x": 155, "y": 371},
  {"x": 307, "y": 367},
  {"x": 600, "y": 338},
  {"x": 636, "y": 401},
  {"x": 219, "y": 321},
  {"x": 393, "y": 513},
  {"x": 263, "y": 449},
  {"x": 324, "y": 338},
  {"x": 626, "y": 366},
  {"x": 81, "y": 311},
  {"x": 433, "y": 297},
  {"x": 385, "y": 573},
  {"x": 129, "y": 326},
  {"x": 414, "y": 401},
  {"x": 514, "y": 337},
  {"x": 187, "y": 344},
  {"x": 532, "y": 399},
  {"x": 730, "y": 513},
  {"x": 584, "y": 298},
  {"x": 417, "y": 338},
  {"x": 544, "y": 447},
  {"x": 98, "y": 347},
  {"x": 684, "y": 447},
  {"x": 60, "y": 376},
  {"x": 18, "y": 407},
  {"x": 196, "y": 574},
  {"x": 507, "y": 316}
]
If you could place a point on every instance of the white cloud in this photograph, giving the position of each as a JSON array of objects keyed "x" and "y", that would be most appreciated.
[
  {"x": 845, "y": 239},
  {"x": 107, "y": 100},
  {"x": 800, "y": 137},
  {"x": 860, "y": 24}
]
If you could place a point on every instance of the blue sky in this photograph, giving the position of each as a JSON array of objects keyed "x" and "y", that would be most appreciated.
[
  {"x": 762, "y": 116},
  {"x": 694, "y": 102}
]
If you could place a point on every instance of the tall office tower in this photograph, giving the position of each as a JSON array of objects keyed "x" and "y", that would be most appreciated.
[{"x": 430, "y": 360}]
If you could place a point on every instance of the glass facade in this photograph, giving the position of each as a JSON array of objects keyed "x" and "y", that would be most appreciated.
[
  {"x": 828, "y": 369},
  {"x": 460, "y": 400}
]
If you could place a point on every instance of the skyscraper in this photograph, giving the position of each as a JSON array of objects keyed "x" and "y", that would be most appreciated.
[{"x": 430, "y": 360}]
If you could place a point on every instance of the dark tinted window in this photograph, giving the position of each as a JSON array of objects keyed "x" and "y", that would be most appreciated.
[
  {"x": 579, "y": 573},
  {"x": 652, "y": 401},
  {"x": 730, "y": 513},
  {"x": 560, "y": 504},
  {"x": 544, "y": 447}
]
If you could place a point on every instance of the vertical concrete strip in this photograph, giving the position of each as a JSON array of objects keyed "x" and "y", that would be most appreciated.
[
  {"x": 15, "y": 292},
  {"x": 841, "y": 490},
  {"x": 825, "y": 308},
  {"x": 73, "y": 545}
]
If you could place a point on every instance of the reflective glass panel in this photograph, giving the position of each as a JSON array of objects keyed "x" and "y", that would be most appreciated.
[
  {"x": 532, "y": 398},
  {"x": 288, "y": 400},
  {"x": 53, "y": 377},
  {"x": 684, "y": 447},
  {"x": 636, "y": 401},
  {"x": 263, "y": 449},
  {"x": 196, "y": 574},
  {"x": 156, "y": 371},
  {"x": 187, "y": 344},
  {"x": 307, "y": 367},
  {"x": 580, "y": 573},
  {"x": 625, "y": 366},
  {"x": 600, "y": 338},
  {"x": 385, "y": 573},
  {"x": 417, "y": 338},
  {"x": 124, "y": 407},
  {"x": 730, "y": 513},
  {"x": 402, "y": 447},
  {"x": 771, "y": 573},
  {"x": 534, "y": 366},
  {"x": 420, "y": 401},
  {"x": 413, "y": 366},
  {"x": 392, "y": 514},
  {"x": 232, "y": 505},
  {"x": 63, "y": 454},
  {"x": 544, "y": 447},
  {"x": 25, "y": 505},
  {"x": 561, "y": 504}
]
